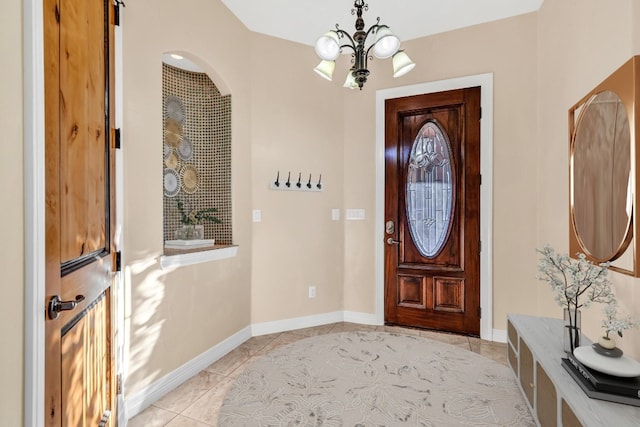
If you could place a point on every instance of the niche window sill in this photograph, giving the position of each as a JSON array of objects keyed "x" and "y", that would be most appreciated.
[{"x": 174, "y": 258}]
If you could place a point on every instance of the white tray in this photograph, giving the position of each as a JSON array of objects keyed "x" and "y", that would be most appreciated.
[
  {"x": 189, "y": 244},
  {"x": 617, "y": 366}
]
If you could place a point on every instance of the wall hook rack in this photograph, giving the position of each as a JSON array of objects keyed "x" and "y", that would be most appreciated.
[{"x": 299, "y": 185}]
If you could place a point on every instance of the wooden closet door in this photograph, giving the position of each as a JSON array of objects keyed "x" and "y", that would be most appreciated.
[{"x": 80, "y": 213}]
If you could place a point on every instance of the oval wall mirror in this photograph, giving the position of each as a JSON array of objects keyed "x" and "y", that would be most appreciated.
[{"x": 601, "y": 190}]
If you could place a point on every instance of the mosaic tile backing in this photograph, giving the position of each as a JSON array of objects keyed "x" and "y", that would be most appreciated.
[{"x": 206, "y": 124}]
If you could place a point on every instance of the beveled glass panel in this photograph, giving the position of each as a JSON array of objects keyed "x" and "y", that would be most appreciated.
[{"x": 429, "y": 190}]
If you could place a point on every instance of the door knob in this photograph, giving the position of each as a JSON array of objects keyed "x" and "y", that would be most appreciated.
[
  {"x": 390, "y": 241},
  {"x": 56, "y": 305}
]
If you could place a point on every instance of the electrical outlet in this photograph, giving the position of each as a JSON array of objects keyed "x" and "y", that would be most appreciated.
[
  {"x": 335, "y": 214},
  {"x": 312, "y": 291}
]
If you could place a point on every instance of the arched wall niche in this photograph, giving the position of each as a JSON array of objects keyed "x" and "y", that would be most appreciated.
[
  {"x": 189, "y": 60},
  {"x": 196, "y": 120}
]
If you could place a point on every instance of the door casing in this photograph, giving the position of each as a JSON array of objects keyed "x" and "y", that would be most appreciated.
[{"x": 485, "y": 81}]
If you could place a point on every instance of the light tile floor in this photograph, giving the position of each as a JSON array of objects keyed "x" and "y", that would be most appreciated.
[{"x": 196, "y": 402}]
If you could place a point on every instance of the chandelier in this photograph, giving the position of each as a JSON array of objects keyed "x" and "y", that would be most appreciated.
[{"x": 328, "y": 48}]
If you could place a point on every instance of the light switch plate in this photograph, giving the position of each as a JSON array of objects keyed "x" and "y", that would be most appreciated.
[
  {"x": 356, "y": 214},
  {"x": 335, "y": 214},
  {"x": 257, "y": 215}
]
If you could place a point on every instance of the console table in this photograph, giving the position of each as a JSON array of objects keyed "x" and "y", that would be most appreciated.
[{"x": 535, "y": 352}]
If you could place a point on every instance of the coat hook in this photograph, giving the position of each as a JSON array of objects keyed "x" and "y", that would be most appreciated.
[
  {"x": 277, "y": 183},
  {"x": 319, "y": 184},
  {"x": 288, "y": 183},
  {"x": 299, "y": 184},
  {"x": 309, "y": 182}
]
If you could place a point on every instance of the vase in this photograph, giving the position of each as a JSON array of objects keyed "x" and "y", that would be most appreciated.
[
  {"x": 608, "y": 343},
  {"x": 571, "y": 330},
  {"x": 190, "y": 232}
]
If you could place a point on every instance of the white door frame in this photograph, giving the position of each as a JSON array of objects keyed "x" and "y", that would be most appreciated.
[
  {"x": 34, "y": 207},
  {"x": 485, "y": 81}
]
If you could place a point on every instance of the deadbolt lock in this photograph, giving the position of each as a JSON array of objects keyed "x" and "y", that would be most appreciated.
[{"x": 390, "y": 227}]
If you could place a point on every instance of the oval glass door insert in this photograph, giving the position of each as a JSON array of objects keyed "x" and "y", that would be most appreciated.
[{"x": 429, "y": 190}]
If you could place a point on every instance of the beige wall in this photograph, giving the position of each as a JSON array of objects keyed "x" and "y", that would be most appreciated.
[
  {"x": 581, "y": 42},
  {"x": 173, "y": 316},
  {"x": 11, "y": 215},
  {"x": 297, "y": 126}
]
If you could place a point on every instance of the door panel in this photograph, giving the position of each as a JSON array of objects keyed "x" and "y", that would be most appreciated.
[
  {"x": 82, "y": 128},
  {"x": 432, "y": 209},
  {"x": 80, "y": 212},
  {"x": 85, "y": 367}
]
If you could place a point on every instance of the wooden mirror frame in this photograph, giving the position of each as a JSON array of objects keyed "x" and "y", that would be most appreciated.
[{"x": 624, "y": 82}]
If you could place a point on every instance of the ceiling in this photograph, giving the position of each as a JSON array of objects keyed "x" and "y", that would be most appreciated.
[{"x": 303, "y": 21}]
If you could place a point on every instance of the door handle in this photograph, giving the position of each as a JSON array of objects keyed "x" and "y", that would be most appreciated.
[
  {"x": 390, "y": 241},
  {"x": 56, "y": 305}
]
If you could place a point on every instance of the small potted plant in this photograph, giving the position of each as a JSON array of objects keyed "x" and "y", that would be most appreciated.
[
  {"x": 192, "y": 227},
  {"x": 611, "y": 323}
]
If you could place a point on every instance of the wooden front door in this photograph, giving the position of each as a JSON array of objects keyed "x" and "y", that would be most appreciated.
[
  {"x": 432, "y": 211},
  {"x": 80, "y": 212}
]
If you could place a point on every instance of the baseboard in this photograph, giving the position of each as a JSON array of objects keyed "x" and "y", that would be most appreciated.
[
  {"x": 360, "y": 318},
  {"x": 139, "y": 401},
  {"x": 499, "y": 335},
  {"x": 277, "y": 326}
]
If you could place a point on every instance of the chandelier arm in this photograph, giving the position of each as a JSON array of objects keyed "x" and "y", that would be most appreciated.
[
  {"x": 343, "y": 33},
  {"x": 368, "y": 49},
  {"x": 349, "y": 46},
  {"x": 375, "y": 27}
]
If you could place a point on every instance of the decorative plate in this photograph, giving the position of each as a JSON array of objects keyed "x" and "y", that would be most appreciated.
[
  {"x": 173, "y": 109},
  {"x": 185, "y": 149},
  {"x": 171, "y": 161},
  {"x": 167, "y": 151},
  {"x": 190, "y": 179},
  {"x": 171, "y": 183},
  {"x": 172, "y": 133}
]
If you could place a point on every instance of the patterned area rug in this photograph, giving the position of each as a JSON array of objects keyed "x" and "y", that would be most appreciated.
[{"x": 374, "y": 379}]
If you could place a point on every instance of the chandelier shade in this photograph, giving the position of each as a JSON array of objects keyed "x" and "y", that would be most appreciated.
[
  {"x": 385, "y": 45},
  {"x": 402, "y": 64},
  {"x": 350, "y": 82},
  {"x": 325, "y": 69},
  {"x": 328, "y": 46}
]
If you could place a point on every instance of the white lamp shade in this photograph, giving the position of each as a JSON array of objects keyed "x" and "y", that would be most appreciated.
[
  {"x": 402, "y": 64},
  {"x": 328, "y": 46},
  {"x": 350, "y": 82},
  {"x": 386, "y": 44},
  {"x": 325, "y": 69}
]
